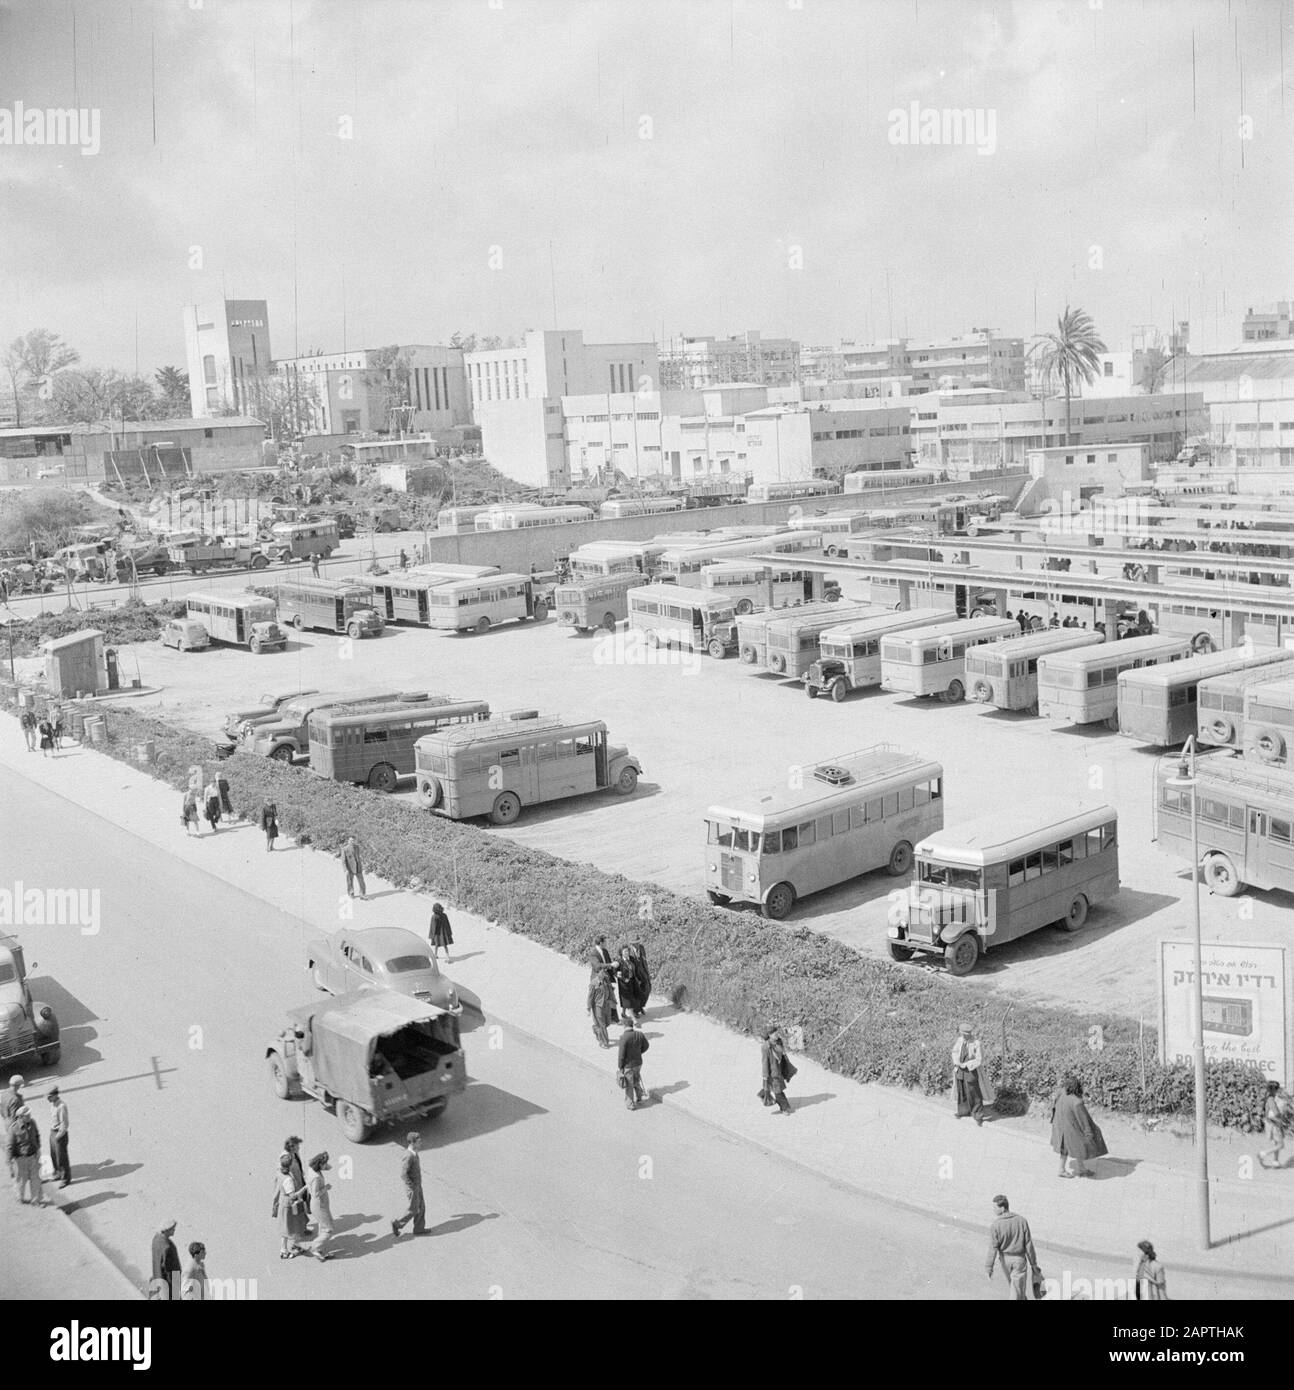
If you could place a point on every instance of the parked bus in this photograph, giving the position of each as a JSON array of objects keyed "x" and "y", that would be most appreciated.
[
  {"x": 1221, "y": 712},
  {"x": 1269, "y": 720},
  {"x": 1005, "y": 674},
  {"x": 879, "y": 479},
  {"x": 401, "y": 597},
  {"x": 672, "y": 614},
  {"x": 601, "y": 601},
  {"x": 849, "y": 653},
  {"x": 436, "y": 570},
  {"x": 521, "y": 518},
  {"x": 932, "y": 660},
  {"x": 456, "y": 519},
  {"x": 246, "y": 620},
  {"x": 748, "y": 585},
  {"x": 858, "y": 812},
  {"x": 333, "y": 605},
  {"x": 495, "y": 769},
  {"x": 1244, "y": 818},
  {"x": 299, "y": 540},
  {"x": 600, "y": 559},
  {"x": 788, "y": 492},
  {"x": 1160, "y": 706},
  {"x": 985, "y": 882},
  {"x": 791, "y": 643},
  {"x": 285, "y": 736},
  {"x": 1082, "y": 686},
  {"x": 374, "y": 747},
  {"x": 752, "y": 629},
  {"x": 476, "y": 605},
  {"x": 682, "y": 563},
  {"x": 640, "y": 506}
]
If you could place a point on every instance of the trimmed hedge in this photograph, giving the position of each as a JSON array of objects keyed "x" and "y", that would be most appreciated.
[{"x": 863, "y": 1018}]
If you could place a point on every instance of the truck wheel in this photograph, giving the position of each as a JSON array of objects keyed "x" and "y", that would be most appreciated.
[
  {"x": 748, "y": 655},
  {"x": 383, "y": 778},
  {"x": 482, "y": 625},
  {"x": 256, "y": 646},
  {"x": 162, "y": 567},
  {"x": 839, "y": 689},
  {"x": 900, "y": 859},
  {"x": 1076, "y": 915},
  {"x": 961, "y": 956},
  {"x": 298, "y": 621},
  {"x": 718, "y": 899},
  {"x": 354, "y": 631},
  {"x": 627, "y": 782},
  {"x": 355, "y": 1123},
  {"x": 955, "y": 693},
  {"x": 780, "y": 900},
  {"x": 811, "y": 690},
  {"x": 284, "y": 753},
  {"x": 279, "y": 1078},
  {"x": 716, "y": 649},
  {"x": 507, "y": 807},
  {"x": 1220, "y": 874},
  {"x": 259, "y": 562},
  {"x": 429, "y": 792},
  {"x": 898, "y": 951}
]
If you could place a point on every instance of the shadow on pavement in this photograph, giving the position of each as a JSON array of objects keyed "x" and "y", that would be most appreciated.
[
  {"x": 463, "y": 1221},
  {"x": 1256, "y": 1231},
  {"x": 799, "y": 1102},
  {"x": 94, "y": 1200},
  {"x": 671, "y": 1089},
  {"x": 102, "y": 1171},
  {"x": 1114, "y": 1167}
]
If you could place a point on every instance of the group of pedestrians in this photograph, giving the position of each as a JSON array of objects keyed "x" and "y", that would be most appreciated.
[
  {"x": 45, "y": 732},
  {"x": 168, "y": 1283},
  {"x": 22, "y": 1142},
  {"x": 300, "y": 1201},
  {"x": 619, "y": 988},
  {"x": 209, "y": 801}
]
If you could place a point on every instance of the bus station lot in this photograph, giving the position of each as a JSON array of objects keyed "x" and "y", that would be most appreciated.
[{"x": 711, "y": 731}]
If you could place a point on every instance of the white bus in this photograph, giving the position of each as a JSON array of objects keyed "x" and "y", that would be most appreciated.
[
  {"x": 989, "y": 881},
  {"x": 932, "y": 660},
  {"x": 600, "y": 559},
  {"x": 880, "y": 479},
  {"x": 675, "y": 615},
  {"x": 247, "y": 620},
  {"x": 858, "y": 812},
  {"x": 792, "y": 641},
  {"x": 849, "y": 653},
  {"x": 476, "y": 605},
  {"x": 682, "y": 563},
  {"x": 1221, "y": 704},
  {"x": 456, "y": 519},
  {"x": 1082, "y": 686},
  {"x": 520, "y": 518},
  {"x": 640, "y": 506},
  {"x": 752, "y": 629},
  {"x": 1268, "y": 728},
  {"x": 788, "y": 492},
  {"x": 1005, "y": 674},
  {"x": 749, "y": 586}
]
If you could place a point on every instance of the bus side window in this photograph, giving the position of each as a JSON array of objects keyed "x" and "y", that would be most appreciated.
[
  {"x": 1093, "y": 843},
  {"x": 1237, "y": 817},
  {"x": 905, "y": 799},
  {"x": 873, "y": 810},
  {"x": 773, "y": 842},
  {"x": 510, "y": 757},
  {"x": 891, "y": 804},
  {"x": 936, "y": 789},
  {"x": 790, "y": 838},
  {"x": 584, "y": 745},
  {"x": 921, "y": 794},
  {"x": 1049, "y": 860},
  {"x": 856, "y": 817},
  {"x": 1279, "y": 830},
  {"x": 1015, "y": 873},
  {"x": 1033, "y": 866},
  {"x": 840, "y": 822},
  {"x": 822, "y": 828},
  {"x": 1065, "y": 852},
  {"x": 806, "y": 834}
]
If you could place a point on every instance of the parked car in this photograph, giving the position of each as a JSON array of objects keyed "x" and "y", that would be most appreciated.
[
  {"x": 384, "y": 958},
  {"x": 28, "y": 1028},
  {"x": 238, "y": 721},
  {"x": 185, "y": 635}
]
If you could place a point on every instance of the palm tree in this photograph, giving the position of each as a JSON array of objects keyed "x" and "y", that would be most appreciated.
[{"x": 1070, "y": 354}]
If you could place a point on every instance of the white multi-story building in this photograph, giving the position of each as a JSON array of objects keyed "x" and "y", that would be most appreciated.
[
  {"x": 981, "y": 358},
  {"x": 1269, "y": 325},
  {"x": 690, "y": 364},
  {"x": 227, "y": 345}
]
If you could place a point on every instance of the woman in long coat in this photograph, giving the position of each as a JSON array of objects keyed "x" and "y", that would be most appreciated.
[
  {"x": 442, "y": 937},
  {"x": 289, "y": 1210},
  {"x": 601, "y": 1004},
  {"x": 270, "y": 824},
  {"x": 627, "y": 983},
  {"x": 1075, "y": 1135},
  {"x": 777, "y": 1071}
]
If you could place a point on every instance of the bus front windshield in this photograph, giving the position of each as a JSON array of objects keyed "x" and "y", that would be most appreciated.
[
  {"x": 949, "y": 876},
  {"x": 733, "y": 837}
]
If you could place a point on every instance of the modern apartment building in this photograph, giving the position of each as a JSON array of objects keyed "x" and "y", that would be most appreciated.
[
  {"x": 690, "y": 364},
  {"x": 979, "y": 359},
  {"x": 227, "y": 345}
]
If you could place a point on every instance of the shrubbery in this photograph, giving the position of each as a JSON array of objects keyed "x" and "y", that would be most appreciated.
[
  {"x": 863, "y": 1018},
  {"x": 132, "y": 621}
]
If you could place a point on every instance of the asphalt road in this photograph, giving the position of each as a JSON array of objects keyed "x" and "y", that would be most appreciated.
[{"x": 539, "y": 1182}]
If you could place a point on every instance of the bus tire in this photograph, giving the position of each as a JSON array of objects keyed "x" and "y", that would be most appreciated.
[
  {"x": 961, "y": 956},
  {"x": 900, "y": 859},
  {"x": 627, "y": 783},
  {"x": 383, "y": 778},
  {"x": 506, "y": 808},
  {"x": 608, "y": 622},
  {"x": 283, "y": 753},
  {"x": 482, "y": 625},
  {"x": 718, "y": 899},
  {"x": 1074, "y": 919},
  {"x": 355, "y": 1123},
  {"x": 779, "y": 902},
  {"x": 898, "y": 951},
  {"x": 298, "y": 621},
  {"x": 259, "y": 562},
  {"x": 541, "y": 610},
  {"x": 839, "y": 689},
  {"x": 778, "y": 664},
  {"x": 1222, "y": 730},
  {"x": 980, "y": 613},
  {"x": 744, "y": 607},
  {"x": 1203, "y": 642},
  {"x": 1265, "y": 745},
  {"x": 981, "y": 692},
  {"x": 1221, "y": 877},
  {"x": 256, "y": 646},
  {"x": 748, "y": 655},
  {"x": 354, "y": 631},
  {"x": 955, "y": 693},
  {"x": 831, "y": 550},
  {"x": 716, "y": 648},
  {"x": 429, "y": 792}
]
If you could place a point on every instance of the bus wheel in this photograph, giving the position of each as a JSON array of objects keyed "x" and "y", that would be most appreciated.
[
  {"x": 1221, "y": 730},
  {"x": 900, "y": 858},
  {"x": 778, "y": 664},
  {"x": 839, "y": 689},
  {"x": 354, "y": 631},
  {"x": 718, "y": 899},
  {"x": 748, "y": 655},
  {"x": 259, "y": 562},
  {"x": 831, "y": 550},
  {"x": 1202, "y": 642},
  {"x": 627, "y": 782},
  {"x": 541, "y": 610},
  {"x": 955, "y": 693},
  {"x": 1076, "y": 915},
  {"x": 284, "y": 753},
  {"x": 744, "y": 607},
  {"x": 1266, "y": 745},
  {"x": 1112, "y": 723},
  {"x": 354, "y": 1122},
  {"x": 716, "y": 649},
  {"x": 507, "y": 807},
  {"x": 1220, "y": 874},
  {"x": 256, "y": 646},
  {"x": 429, "y": 792},
  {"x": 780, "y": 900},
  {"x": 482, "y": 625},
  {"x": 961, "y": 956},
  {"x": 608, "y": 622},
  {"x": 383, "y": 778},
  {"x": 298, "y": 621},
  {"x": 898, "y": 951}
]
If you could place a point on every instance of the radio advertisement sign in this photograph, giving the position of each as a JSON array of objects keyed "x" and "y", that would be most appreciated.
[{"x": 1246, "y": 1006}]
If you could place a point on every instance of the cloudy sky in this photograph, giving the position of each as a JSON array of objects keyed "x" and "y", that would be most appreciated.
[{"x": 390, "y": 172}]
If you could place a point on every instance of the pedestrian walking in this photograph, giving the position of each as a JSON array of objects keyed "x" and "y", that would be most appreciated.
[
  {"x": 778, "y": 1069},
  {"x": 58, "y": 1137},
  {"x": 269, "y": 820},
  {"x": 354, "y": 864},
  {"x": 59, "y": 730},
  {"x": 211, "y": 805},
  {"x": 193, "y": 1288},
  {"x": 314, "y": 565},
  {"x": 46, "y": 730},
  {"x": 289, "y": 1210},
  {"x": 166, "y": 1263},
  {"x": 600, "y": 1001},
  {"x": 321, "y": 1205},
  {"x": 972, "y": 1089},
  {"x": 1074, "y": 1133},
  {"x": 1276, "y": 1115},
  {"x": 292, "y": 1152},
  {"x": 28, "y": 721},
  {"x": 24, "y": 1157},
  {"x": 626, "y": 982},
  {"x": 189, "y": 813},
  {"x": 1011, "y": 1241},
  {"x": 13, "y": 1100},
  {"x": 629, "y": 1062},
  {"x": 222, "y": 786},
  {"x": 1149, "y": 1282},
  {"x": 411, "y": 1176},
  {"x": 442, "y": 935},
  {"x": 404, "y": 560}
]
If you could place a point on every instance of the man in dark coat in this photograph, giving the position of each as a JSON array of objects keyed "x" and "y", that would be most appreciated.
[
  {"x": 600, "y": 1001},
  {"x": 777, "y": 1071},
  {"x": 411, "y": 1176},
  {"x": 1074, "y": 1134},
  {"x": 633, "y": 1043},
  {"x": 354, "y": 865},
  {"x": 166, "y": 1261}
]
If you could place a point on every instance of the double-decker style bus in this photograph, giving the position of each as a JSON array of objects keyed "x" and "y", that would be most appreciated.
[
  {"x": 1082, "y": 686},
  {"x": 749, "y": 585},
  {"x": 374, "y": 746},
  {"x": 1269, "y": 720},
  {"x": 520, "y": 517},
  {"x": 476, "y": 605},
  {"x": 849, "y": 653},
  {"x": 286, "y": 736},
  {"x": 640, "y": 506},
  {"x": 1244, "y": 818},
  {"x": 858, "y": 812},
  {"x": 1160, "y": 706},
  {"x": 788, "y": 492},
  {"x": 1221, "y": 702},
  {"x": 496, "y": 768},
  {"x": 752, "y": 629},
  {"x": 932, "y": 660},
  {"x": 880, "y": 479},
  {"x": 1005, "y": 674},
  {"x": 595, "y": 601},
  {"x": 333, "y": 605},
  {"x": 675, "y": 615},
  {"x": 985, "y": 882},
  {"x": 246, "y": 620},
  {"x": 681, "y": 564},
  {"x": 791, "y": 643}
]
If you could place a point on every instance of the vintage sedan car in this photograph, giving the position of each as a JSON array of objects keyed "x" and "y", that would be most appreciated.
[{"x": 385, "y": 958}]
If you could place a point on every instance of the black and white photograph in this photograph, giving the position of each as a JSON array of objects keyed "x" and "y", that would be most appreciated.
[{"x": 646, "y": 655}]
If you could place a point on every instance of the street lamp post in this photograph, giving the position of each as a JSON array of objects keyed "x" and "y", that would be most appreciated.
[{"x": 1186, "y": 778}]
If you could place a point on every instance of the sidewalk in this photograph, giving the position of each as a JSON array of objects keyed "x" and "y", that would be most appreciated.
[
  {"x": 905, "y": 1149},
  {"x": 70, "y": 1266}
]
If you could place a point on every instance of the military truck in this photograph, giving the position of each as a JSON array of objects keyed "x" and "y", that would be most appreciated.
[
  {"x": 373, "y": 1057},
  {"x": 28, "y": 1028}
]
